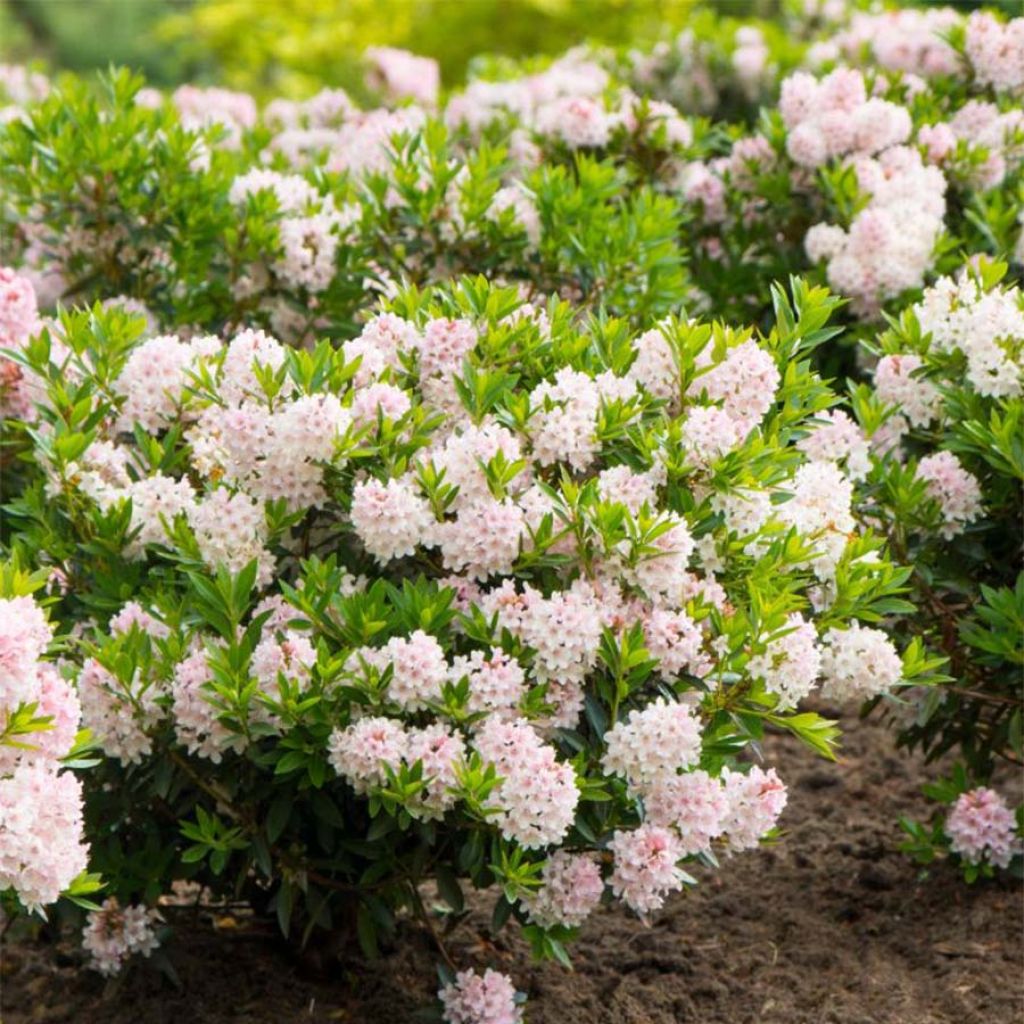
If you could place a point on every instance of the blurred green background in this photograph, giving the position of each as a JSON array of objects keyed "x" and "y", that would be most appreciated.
[{"x": 293, "y": 46}]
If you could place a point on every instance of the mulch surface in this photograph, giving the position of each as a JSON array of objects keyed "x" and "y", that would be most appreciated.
[{"x": 832, "y": 926}]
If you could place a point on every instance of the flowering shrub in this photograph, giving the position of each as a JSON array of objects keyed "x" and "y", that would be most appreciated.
[
  {"x": 410, "y": 508},
  {"x": 469, "y": 597},
  {"x": 947, "y": 412}
]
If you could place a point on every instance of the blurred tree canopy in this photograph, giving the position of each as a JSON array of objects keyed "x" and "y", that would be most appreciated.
[
  {"x": 79, "y": 35},
  {"x": 293, "y": 47},
  {"x": 296, "y": 46}
]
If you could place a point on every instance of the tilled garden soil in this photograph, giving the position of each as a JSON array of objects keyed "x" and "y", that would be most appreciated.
[{"x": 833, "y": 926}]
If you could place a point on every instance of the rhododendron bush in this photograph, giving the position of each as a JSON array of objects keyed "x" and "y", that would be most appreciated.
[
  {"x": 491, "y": 592},
  {"x": 455, "y": 491},
  {"x": 947, "y": 398}
]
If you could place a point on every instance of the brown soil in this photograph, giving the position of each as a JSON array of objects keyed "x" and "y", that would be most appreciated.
[{"x": 831, "y": 927}]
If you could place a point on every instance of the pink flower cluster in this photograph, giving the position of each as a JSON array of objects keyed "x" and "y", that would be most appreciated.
[
  {"x": 119, "y": 714},
  {"x": 820, "y": 510},
  {"x": 488, "y": 998},
  {"x": 402, "y": 75},
  {"x": 113, "y": 934},
  {"x": 986, "y": 326},
  {"x": 981, "y": 828},
  {"x": 859, "y": 663},
  {"x": 834, "y": 117},
  {"x": 684, "y": 812},
  {"x": 537, "y": 794},
  {"x": 366, "y": 750},
  {"x": 660, "y": 739},
  {"x": 838, "y": 439},
  {"x": 996, "y": 51},
  {"x": 909, "y": 40},
  {"x": 646, "y": 867},
  {"x": 899, "y": 382},
  {"x": 957, "y": 491},
  {"x": 571, "y": 887},
  {"x": 790, "y": 664},
  {"x": 694, "y": 806},
  {"x": 755, "y": 800},
  {"x": 41, "y": 833},
  {"x": 309, "y": 232},
  {"x": 889, "y": 246},
  {"x": 232, "y": 112},
  {"x": 195, "y": 709}
]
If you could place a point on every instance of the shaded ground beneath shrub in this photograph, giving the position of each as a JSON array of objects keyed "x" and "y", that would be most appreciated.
[{"x": 831, "y": 927}]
